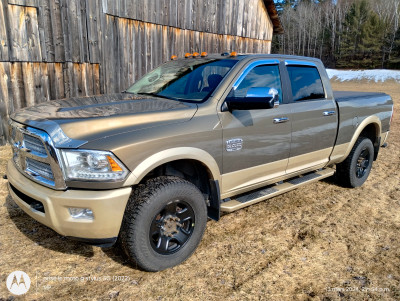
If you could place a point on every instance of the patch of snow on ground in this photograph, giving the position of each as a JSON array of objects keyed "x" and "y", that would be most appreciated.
[{"x": 377, "y": 75}]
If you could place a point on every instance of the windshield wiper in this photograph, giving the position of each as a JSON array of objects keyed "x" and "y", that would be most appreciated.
[{"x": 157, "y": 95}]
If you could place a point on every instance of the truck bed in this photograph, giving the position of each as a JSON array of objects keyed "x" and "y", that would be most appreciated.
[
  {"x": 347, "y": 95},
  {"x": 354, "y": 107}
]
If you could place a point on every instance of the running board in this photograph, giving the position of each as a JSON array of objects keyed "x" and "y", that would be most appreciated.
[{"x": 265, "y": 193}]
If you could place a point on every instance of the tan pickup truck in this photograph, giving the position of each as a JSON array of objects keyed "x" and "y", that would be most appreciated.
[{"x": 196, "y": 136}]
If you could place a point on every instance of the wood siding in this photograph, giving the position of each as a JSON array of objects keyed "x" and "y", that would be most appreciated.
[
  {"x": 245, "y": 18},
  {"x": 52, "y": 49}
]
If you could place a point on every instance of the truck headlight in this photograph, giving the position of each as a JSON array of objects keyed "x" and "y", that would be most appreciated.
[{"x": 91, "y": 165}]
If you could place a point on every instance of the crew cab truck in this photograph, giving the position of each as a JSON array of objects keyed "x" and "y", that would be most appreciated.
[{"x": 194, "y": 137}]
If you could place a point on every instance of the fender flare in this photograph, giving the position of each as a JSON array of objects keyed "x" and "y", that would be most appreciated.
[
  {"x": 169, "y": 155},
  {"x": 366, "y": 122}
]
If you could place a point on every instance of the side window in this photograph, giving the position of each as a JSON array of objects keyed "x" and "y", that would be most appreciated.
[
  {"x": 306, "y": 83},
  {"x": 259, "y": 77}
]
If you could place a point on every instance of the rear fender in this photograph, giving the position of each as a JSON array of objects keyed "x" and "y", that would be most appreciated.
[{"x": 374, "y": 120}]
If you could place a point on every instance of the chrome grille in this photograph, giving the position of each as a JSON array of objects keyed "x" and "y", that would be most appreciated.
[
  {"x": 35, "y": 145},
  {"x": 39, "y": 168},
  {"x": 35, "y": 156}
]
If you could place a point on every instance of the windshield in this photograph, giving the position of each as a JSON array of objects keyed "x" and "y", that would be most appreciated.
[{"x": 188, "y": 80}]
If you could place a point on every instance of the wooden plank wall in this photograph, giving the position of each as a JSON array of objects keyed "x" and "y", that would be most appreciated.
[
  {"x": 245, "y": 18},
  {"x": 52, "y": 49}
]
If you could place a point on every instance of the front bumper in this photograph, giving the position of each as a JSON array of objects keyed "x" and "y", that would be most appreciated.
[{"x": 108, "y": 207}]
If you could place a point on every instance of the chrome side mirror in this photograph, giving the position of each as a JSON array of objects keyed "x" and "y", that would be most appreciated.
[
  {"x": 257, "y": 98},
  {"x": 271, "y": 95}
]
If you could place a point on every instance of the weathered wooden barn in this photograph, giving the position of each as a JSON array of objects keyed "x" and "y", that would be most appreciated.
[{"x": 51, "y": 49}]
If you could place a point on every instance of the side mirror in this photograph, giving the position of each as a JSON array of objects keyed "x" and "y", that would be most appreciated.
[{"x": 256, "y": 99}]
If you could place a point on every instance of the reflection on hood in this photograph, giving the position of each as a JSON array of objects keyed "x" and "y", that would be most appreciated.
[
  {"x": 96, "y": 106},
  {"x": 88, "y": 118}
]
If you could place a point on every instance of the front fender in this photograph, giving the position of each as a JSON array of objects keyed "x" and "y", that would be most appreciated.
[{"x": 170, "y": 155}]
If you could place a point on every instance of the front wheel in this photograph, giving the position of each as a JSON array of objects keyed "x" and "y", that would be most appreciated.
[
  {"x": 163, "y": 224},
  {"x": 354, "y": 171}
]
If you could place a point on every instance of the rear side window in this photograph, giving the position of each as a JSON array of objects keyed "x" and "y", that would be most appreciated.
[{"x": 306, "y": 83}]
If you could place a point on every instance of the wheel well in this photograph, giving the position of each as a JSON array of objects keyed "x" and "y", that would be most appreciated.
[
  {"x": 371, "y": 131},
  {"x": 190, "y": 170}
]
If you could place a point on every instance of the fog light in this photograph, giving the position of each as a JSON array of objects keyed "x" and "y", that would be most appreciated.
[{"x": 81, "y": 213}]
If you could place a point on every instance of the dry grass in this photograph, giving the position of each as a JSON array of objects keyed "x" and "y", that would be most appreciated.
[{"x": 299, "y": 246}]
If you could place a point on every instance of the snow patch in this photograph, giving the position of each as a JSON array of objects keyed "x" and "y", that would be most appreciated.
[{"x": 377, "y": 75}]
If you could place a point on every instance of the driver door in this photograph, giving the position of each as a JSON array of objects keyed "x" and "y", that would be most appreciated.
[{"x": 256, "y": 142}]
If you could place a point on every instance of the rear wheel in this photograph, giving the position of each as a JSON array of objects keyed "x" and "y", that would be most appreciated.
[
  {"x": 354, "y": 171},
  {"x": 163, "y": 223}
]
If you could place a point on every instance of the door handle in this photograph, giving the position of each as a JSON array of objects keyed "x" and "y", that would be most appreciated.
[
  {"x": 329, "y": 113},
  {"x": 281, "y": 120}
]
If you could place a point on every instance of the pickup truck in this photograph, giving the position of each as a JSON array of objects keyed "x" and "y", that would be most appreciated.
[{"x": 144, "y": 169}]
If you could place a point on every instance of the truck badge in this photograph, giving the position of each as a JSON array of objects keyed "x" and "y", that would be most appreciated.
[{"x": 233, "y": 145}]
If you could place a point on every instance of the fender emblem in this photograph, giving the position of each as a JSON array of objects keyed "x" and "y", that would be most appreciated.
[{"x": 233, "y": 145}]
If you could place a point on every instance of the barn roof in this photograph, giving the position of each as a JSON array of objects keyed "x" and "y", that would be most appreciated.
[{"x": 273, "y": 14}]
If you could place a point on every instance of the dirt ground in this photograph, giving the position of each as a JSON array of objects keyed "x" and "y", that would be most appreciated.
[{"x": 320, "y": 242}]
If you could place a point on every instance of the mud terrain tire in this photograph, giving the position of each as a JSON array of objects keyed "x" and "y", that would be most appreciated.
[
  {"x": 163, "y": 223},
  {"x": 354, "y": 171}
]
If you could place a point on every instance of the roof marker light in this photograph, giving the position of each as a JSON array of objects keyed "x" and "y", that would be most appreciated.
[
  {"x": 233, "y": 53},
  {"x": 196, "y": 54},
  {"x": 204, "y": 54},
  {"x": 188, "y": 55},
  {"x": 174, "y": 58}
]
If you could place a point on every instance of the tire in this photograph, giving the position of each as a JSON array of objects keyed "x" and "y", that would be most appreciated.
[
  {"x": 354, "y": 171},
  {"x": 163, "y": 223}
]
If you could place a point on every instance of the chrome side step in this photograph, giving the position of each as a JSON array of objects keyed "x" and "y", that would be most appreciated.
[{"x": 265, "y": 193}]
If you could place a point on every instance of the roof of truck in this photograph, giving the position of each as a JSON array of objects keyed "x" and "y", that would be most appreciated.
[{"x": 241, "y": 56}]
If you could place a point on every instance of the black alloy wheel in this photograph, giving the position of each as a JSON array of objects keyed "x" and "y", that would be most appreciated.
[
  {"x": 363, "y": 162},
  {"x": 172, "y": 227}
]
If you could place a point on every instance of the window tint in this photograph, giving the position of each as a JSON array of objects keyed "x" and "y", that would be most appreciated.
[
  {"x": 306, "y": 83},
  {"x": 266, "y": 76}
]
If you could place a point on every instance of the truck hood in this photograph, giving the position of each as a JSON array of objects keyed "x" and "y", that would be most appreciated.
[{"x": 75, "y": 121}]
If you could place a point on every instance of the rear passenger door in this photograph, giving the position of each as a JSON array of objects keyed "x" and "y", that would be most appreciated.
[{"x": 313, "y": 116}]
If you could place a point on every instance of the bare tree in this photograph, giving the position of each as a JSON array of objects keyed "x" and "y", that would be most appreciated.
[{"x": 316, "y": 28}]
